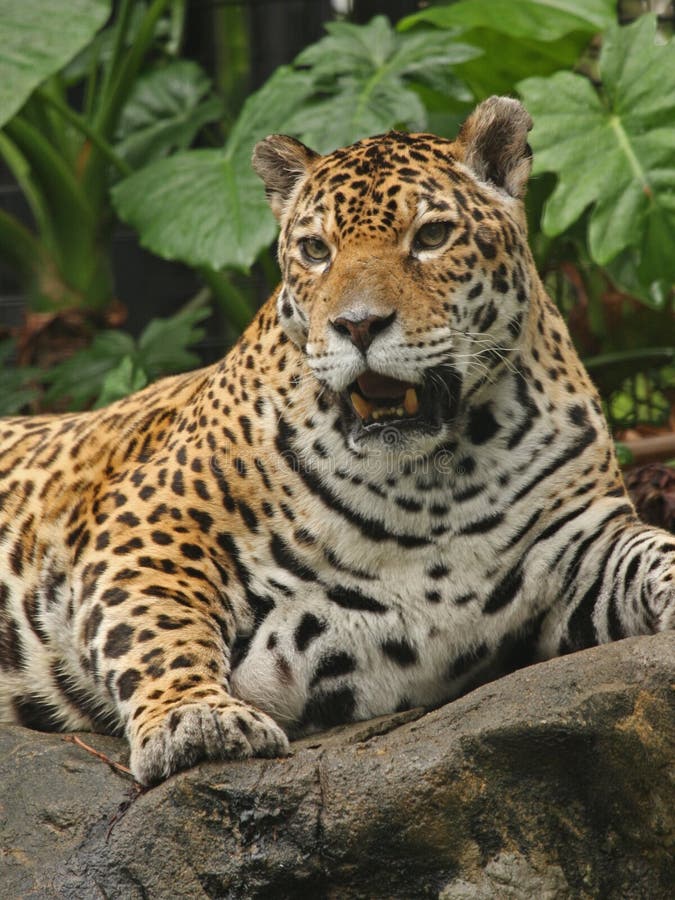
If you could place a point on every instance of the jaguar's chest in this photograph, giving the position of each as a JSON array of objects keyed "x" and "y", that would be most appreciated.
[
  {"x": 404, "y": 542},
  {"x": 393, "y": 627}
]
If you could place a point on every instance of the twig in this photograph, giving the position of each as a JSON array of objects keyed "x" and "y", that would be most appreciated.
[{"x": 73, "y": 739}]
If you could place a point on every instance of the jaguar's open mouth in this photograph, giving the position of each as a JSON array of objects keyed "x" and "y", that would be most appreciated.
[{"x": 376, "y": 401}]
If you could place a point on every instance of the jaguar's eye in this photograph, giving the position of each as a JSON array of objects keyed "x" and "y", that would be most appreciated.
[
  {"x": 315, "y": 250},
  {"x": 432, "y": 235}
]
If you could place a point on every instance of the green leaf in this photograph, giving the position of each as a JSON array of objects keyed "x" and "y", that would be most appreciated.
[
  {"x": 346, "y": 117},
  {"x": 166, "y": 109},
  {"x": 624, "y": 454},
  {"x": 639, "y": 401},
  {"x": 16, "y": 387},
  {"x": 542, "y": 20},
  {"x": 207, "y": 207},
  {"x": 37, "y": 38},
  {"x": 124, "y": 379},
  {"x": 162, "y": 348},
  {"x": 627, "y": 272},
  {"x": 512, "y": 59},
  {"x": 363, "y": 77},
  {"x": 519, "y": 38},
  {"x": 613, "y": 150},
  {"x": 115, "y": 365},
  {"x": 99, "y": 51},
  {"x": 80, "y": 379}
]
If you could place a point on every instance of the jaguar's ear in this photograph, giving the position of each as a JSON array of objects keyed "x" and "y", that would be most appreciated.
[
  {"x": 493, "y": 143},
  {"x": 281, "y": 162}
]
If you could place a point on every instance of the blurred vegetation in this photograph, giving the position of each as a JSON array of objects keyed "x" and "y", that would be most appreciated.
[{"x": 103, "y": 121}]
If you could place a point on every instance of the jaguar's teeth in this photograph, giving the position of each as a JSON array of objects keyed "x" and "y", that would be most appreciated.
[
  {"x": 369, "y": 411},
  {"x": 388, "y": 411},
  {"x": 361, "y": 405},
  {"x": 410, "y": 402}
]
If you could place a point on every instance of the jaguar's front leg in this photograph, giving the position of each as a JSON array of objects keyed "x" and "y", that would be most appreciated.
[
  {"x": 161, "y": 654},
  {"x": 619, "y": 584}
]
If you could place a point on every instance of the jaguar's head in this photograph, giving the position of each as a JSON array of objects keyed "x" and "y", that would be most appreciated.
[{"x": 406, "y": 273}]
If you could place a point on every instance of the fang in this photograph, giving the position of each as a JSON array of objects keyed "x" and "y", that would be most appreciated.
[
  {"x": 361, "y": 405},
  {"x": 410, "y": 402}
]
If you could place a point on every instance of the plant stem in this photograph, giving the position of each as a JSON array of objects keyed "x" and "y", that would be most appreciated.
[
  {"x": 36, "y": 113},
  {"x": 49, "y": 166},
  {"x": 233, "y": 302},
  {"x": 121, "y": 29},
  {"x": 82, "y": 125},
  {"x": 90, "y": 88},
  {"x": 73, "y": 226},
  {"x": 123, "y": 75},
  {"x": 21, "y": 171},
  {"x": 69, "y": 214},
  {"x": 18, "y": 246},
  {"x": 121, "y": 79}
]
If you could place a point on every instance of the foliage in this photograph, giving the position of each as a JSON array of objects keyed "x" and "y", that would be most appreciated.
[
  {"x": 519, "y": 38},
  {"x": 16, "y": 390},
  {"x": 140, "y": 104},
  {"x": 115, "y": 364},
  {"x": 62, "y": 157},
  {"x": 544, "y": 20},
  {"x": 66, "y": 160},
  {"x": 613, "y": 149},
  {"x": 166, "y": 108},
  {"x": 365, "y": 79},
  {"x": 207, "y": 207},
  {"x": 37, "y": 39},
  {"x": 639, "y": 399}
]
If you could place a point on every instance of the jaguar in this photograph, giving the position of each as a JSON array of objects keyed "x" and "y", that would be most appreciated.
[{"x": 397, "y": 485}]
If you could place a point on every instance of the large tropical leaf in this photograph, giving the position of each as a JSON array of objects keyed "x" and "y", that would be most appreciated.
[
  {"x": 37, "y": 38},
  {"x": 613, "y": 149},
  {"x": 541, "y": 20},
  {"x": 207, "y": 207},
  {"x": 363, "y": 77},
  {"x": 166, "y": 109},
  {"x": 520, "y": 38}
]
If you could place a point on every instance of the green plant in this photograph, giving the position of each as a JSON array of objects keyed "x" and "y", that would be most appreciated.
[
  {"x": 612, "y": 149},
  {"x": 207, "y": 207},
  {"x": 66, "y": 155},
  {"x": 518, "y": 38},
  {"x": 81, "y": 107},
  {"x": 115, "y": 364},
  {"x": 16, "y": 388}
]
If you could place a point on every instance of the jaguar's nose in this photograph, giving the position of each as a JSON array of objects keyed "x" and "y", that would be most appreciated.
[{"x": 362, "y": 332}]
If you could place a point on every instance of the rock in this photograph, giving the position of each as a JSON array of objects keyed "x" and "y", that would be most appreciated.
[{"x": 550, "y": 783}]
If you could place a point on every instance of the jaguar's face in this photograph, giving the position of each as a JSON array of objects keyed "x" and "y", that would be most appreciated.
[{"x": 405, "y": 278}]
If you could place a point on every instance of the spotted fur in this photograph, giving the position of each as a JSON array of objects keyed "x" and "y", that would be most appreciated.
[{"x": 237, "y": 554}]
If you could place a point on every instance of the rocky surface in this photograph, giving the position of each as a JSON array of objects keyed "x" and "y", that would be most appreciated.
[{"x": 554, "y": 782}]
